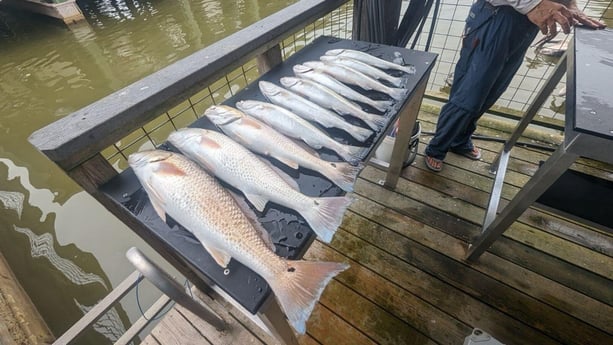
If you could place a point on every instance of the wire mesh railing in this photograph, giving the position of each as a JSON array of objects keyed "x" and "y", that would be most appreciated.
[
  {"x": 336, "y": 24},
  {"x": 529, "y": 78},
  {"x": 446, "y": 39}
]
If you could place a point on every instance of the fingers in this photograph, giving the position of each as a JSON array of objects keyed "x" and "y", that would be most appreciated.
[
  {"x": 581, "y": 18},
  {"x": 564, "y": 21},
  {"x": 552, "y": 28}
]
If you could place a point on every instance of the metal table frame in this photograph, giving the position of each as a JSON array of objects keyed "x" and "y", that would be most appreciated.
[{"x": 576, "y": 143}]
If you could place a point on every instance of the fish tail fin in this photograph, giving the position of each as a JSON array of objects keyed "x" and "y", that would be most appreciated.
[
  {"x": 397, "y": 82},
  {"x": 375, "y": 122},
  {"x": 382, "y": 106},
  {"x": 352, "y": 154},
  {"x": 326, "y": 215},
  {"x": 299, "y": 288},
  {"x": 344, "y": 175},
  {"x": 359, "y": 133},
  {"x": 397, "y": 94}
]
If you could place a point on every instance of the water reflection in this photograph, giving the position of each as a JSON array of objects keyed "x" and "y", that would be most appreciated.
[{"x": 42, "y": 246}]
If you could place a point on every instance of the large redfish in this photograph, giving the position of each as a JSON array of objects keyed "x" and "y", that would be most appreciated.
[
  {"x": 257, "y": 179},
  {"x": 178, "y": 187}
]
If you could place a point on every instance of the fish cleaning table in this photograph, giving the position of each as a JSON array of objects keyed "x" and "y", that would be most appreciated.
[
  {"x": 588, "y": 131},
  {"x": 289, "y": 232}
]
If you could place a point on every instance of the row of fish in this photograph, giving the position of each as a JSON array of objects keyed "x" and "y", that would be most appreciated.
[{"x": 181, "y": 185}]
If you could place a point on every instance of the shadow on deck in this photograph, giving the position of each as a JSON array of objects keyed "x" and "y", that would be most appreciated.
[{"x": 546, "y": 281}]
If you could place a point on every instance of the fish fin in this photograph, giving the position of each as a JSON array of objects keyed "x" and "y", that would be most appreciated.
[
  {"x": 408, "y": 69},
  {"x": 352, "y": 154},
  {"x": 282, "y": 174},
  {"x": 360, "y": 133},
  {"x": 253, "y": 219},
  {"x": 156, "y": 200},
  {"x": 306, "y": 147},
  {"x": 397, "y": 94},
  {"x": 221, "y": 257},
  {"x": 382, "y": 106},
  {"x": 312, "y": 144},
  {"x": 258, "y": 201},
  {"x": 326, "y": 215},
  {"x": 375, "y": 122},
  {"x": 301, "y": 286},
  {"x": 287, "y": 161},
  {"x": 343, "y": 174},
  {"x": 397, "y": 82}
]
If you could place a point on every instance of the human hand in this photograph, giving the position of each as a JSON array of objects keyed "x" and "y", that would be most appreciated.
[
  {"x": 547, "y": 13},
  {"x": 580, "y": 18}
]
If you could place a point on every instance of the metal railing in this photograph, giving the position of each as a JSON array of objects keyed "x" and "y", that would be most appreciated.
[{"x": 172, "y": 291}]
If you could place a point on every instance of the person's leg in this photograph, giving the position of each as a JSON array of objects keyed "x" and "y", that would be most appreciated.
[
  {"x": 519, "y": 42},
  {"x": 475, "y": 74}
]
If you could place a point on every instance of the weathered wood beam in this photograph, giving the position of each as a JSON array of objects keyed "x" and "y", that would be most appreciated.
[{"x": 80, "y": 135}]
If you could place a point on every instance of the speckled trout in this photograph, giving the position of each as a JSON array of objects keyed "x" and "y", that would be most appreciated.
[
  {"x": 311, "y": 111},
  {"x": 296, "y": 127},
  {"x": 258, "y": 180},
  {"x": 365, "y": 68},
  {"x": 262, "y": 139},
  {"x": 326, "y": 80},
  {"x": 371, "y": 60},
  {"x": 327, "y": 98},
  {"x": 180, "y": 188},
  {"x": 350, "y": 76}
]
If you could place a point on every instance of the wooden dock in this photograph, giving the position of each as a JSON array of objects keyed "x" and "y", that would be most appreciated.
[{"x": 546, "y": 281}]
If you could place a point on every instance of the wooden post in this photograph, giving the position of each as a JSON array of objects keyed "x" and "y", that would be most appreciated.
[
  {"x": 92, "y": 173},
  {"x": 269, "y": 59}
]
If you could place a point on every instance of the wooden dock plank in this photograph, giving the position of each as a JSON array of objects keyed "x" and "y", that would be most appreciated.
[
  {"x": 447, "y": 182},
  {"x": 407, "y": 230},
  {"x": 545, "y": 242},
  {"x": 371, "y": 319},
  {"x": 556, "y": 269},
  {"x": 454, "y": 303},
  {"x": 175, "y": 330},
  {"x": 328, "y": 328},
  {"x": 420, "y": 315},
  {"x": 150, "y": 340}
]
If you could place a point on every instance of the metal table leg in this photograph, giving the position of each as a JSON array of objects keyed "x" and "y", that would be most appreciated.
[
  {"x": 273, "y": 317},
  {"x": 407, "y": 119},
  {"x": 544, "y": 177},
  {"x": 499, "y": 166}
]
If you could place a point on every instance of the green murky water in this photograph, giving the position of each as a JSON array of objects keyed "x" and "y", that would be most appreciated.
[{"x": 66, "y": 249}]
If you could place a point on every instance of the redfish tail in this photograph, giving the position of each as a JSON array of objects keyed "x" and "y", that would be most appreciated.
[
  {"x": 326, "y": 215},
  {"x": 382, "y": 106},
  {"x": 359, "y": 133},
  {"x": 397, "y": 94},
  {"x": 351, "y": 154},
  {"x": 397, "y": 82},
  {"x": 375, "y": 122},
  {"x": 300, "y": 287},
  {"x": 343, "y": 174}
]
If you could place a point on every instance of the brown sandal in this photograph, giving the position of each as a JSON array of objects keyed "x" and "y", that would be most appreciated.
[
  {"x": 474, "y": 154},
  {"x": 434, "y": 164}
]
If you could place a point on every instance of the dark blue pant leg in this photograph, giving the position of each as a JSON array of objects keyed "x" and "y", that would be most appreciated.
[
  {"x": 519, "y": 45},
  {"x": 489, "y": 44}
]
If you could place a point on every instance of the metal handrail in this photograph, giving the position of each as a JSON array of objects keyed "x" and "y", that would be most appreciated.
[
  {"x": 145, "y": 268},
  {"x": 171, "y": 288}
]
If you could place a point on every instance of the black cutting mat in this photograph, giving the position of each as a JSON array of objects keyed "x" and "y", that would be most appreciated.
[{"x": 290, "y": 233}]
